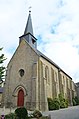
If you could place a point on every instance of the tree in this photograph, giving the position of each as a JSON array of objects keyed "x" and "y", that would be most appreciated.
[{"x": 2, "y": 68}]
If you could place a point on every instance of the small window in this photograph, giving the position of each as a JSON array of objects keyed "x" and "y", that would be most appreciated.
[
  {"x": 21, "y": 72},
  {"x": 33, "y": 41}
]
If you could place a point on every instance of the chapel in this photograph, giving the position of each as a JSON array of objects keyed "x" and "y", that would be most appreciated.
[{"x": 32, "y": 78}]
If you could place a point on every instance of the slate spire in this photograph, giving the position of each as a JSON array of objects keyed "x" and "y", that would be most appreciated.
[
  {"x": 29, "y": 28},
  {"x": 28, "y": 33}
]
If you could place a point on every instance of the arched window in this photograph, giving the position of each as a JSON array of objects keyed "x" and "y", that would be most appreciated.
[{"x": 47, "y": 73}]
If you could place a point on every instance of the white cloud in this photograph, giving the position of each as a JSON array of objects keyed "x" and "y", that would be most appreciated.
[
  {"x": 65, "y": 55},
  {"x": 63, "y": 45}
]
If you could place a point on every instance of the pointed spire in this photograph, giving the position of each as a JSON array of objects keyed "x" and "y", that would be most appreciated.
[{"x": 29, "y": 28}]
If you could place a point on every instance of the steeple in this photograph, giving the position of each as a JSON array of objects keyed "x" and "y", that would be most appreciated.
[
  {"x": 29, "y": 28},
  {"x": 28, "y": 33}
]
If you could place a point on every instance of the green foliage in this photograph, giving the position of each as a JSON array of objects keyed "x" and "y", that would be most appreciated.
[
  {"x": 57, "y": 103},
  {"x": 21, "y": 113},
  {"x": 63, "y": 101},
  {"x": 61, "y": 97},
  {"x": 75, "y": 101},
  {"x": 50, "y": 101},
  {"x": 2, "y": 68},
  {"x": 37, "y": 114},
  {"x": 53, "y": 104},
  {"x": 66, "y": 103},
  {"x": 62, "y": 104},
  {"x": 10, "y": 116}
]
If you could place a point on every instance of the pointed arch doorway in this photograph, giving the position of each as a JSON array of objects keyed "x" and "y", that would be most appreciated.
[{"x": 20, "y": 99}]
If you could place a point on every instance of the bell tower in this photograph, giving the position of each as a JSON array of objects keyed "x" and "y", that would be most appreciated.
[{"x": 28, "y": 33}]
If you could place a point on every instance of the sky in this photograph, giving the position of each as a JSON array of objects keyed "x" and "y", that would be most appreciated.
[{"x": 55, "y": 25}]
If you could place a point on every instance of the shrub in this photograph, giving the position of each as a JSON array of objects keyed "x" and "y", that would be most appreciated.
[
  {"x": 63, "y": 101},
  {"x": 75, "y": 101},
  {"x": 53, "y": 104},
  {"x": 50, "y": 101},
  {"x": 21, "y": 113},
  {"x": 66, "y": 103},
  {"x": 37, "y": 114},
  {"x": 56, "y": 104},
  {"x": 10, "y": 116},
  {"x": 62, "y": 104}
]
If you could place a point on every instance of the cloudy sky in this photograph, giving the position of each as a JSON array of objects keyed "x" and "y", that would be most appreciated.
[{"x": 56, "y": 26}]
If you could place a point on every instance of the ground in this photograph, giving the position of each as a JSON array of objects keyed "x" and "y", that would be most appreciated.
[{"x": 68, "y": 113}]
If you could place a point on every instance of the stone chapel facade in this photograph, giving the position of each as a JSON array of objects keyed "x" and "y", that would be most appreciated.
[{"x": 31, "y": 77}]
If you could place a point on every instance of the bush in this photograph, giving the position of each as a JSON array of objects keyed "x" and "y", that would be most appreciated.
[
  {"x": 56, "y": 104},
  {"x": 75, "y": 101},
  {"x": 62, "y": 104},
  {"x": 50, "y": 101},
  {"x": 66, "y": 103},
  {"x": 21, "y": 113},
  {"x": 61, "y": 97},
  {"x": 53, "y": 104},
  {"x": 63, "y": 101},
  {"x": 37, "y": 114},
  {"x": 10, "y": 116}
]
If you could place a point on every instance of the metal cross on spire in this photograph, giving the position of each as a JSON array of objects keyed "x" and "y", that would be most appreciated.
[
  {"x": 30, "y": 9},
  {"x": 29, "y": 28}
]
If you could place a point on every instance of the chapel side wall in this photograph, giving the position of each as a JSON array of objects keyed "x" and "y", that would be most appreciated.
[
  {"x": 24, "y": 58},
  {"x": 63, "y": 83},
  {"x": 65, "y": 86},
  {"x": 77, "y": 90},
  {"x": 46, "y": 84},
  {"x": 41, "y": 88},
  {"x": 59, "y": 82},
  {"x": 69, "y": 90}
]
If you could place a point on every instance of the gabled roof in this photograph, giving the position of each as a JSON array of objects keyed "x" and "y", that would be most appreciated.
[
  {"x": 29, "y": 28},
  {"x": 45, "y": 57},
  {"x": 50, "y": 61}
]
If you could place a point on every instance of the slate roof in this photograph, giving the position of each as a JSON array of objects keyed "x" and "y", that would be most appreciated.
[
  {"x": 29, "y": 28},
  {"x": 49, "y": 60}
]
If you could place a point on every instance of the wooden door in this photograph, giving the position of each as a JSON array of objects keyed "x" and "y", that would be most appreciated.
[{"x": 20, "y": 101}]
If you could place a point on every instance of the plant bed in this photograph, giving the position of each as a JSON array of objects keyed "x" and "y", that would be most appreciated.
[{"x": 22, "y": 113}]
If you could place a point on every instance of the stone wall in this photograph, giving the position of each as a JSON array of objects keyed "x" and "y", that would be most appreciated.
[
  {"x": 24, "y": 58},
  {"x": 41, "y": 79}
]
